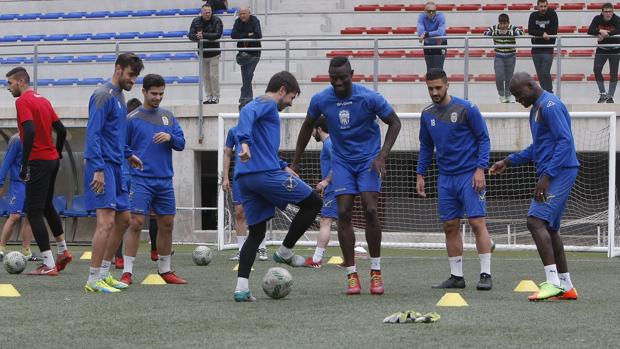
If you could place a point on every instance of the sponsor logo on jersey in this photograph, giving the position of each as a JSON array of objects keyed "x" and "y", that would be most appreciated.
[
  {"x": 344, "y": 117},
  {"x": 453, "y": 117},
  {"x": 550, "y": 104},
  {"x": 165, "y": 120}
]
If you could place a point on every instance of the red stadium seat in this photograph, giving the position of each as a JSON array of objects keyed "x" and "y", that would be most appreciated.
[
  {"x": 468, "y": 7},
  {"x": 378, "y": 30},
  {"x": 524, "y": 53},
  {"x": 494, "y": 7},
  {"x": 573, "y": 77},
  {"x": 564, "y": 52},
  {"x": 573, "y": 6},
  {"x": 415, "y": 54},
  {"x": 367, "y": 8},
  {"x": 591, "y": 77},
  {"x": 595, "y": 5},
  {"x": 554, "y": 5},
  {"x": 485, "y": 77},
  {"x": 343, "y": 53},
  {"x": 457, "y": 30},
  {"x": 404, "y": 30},
  {"x": 476, "y": 53},
  {"x": 392, "y": 54},
  {"x": 320, "y": 78},
  {"x": 583, "y": 29},
  {"x": 405, "y": 78},
  {"x": 380, "y": 78},
  {"x": 445, "y": 7},
  {"x": 459, "y": 77},
  {"x": 452, "y": 53},
  {"x": 564, "y": 29},
  {"x": 415, "y": 7},
  {"x": 491, "y": 53},
  {"x": 553, "y": 77},
  {"x": 581, "y": 53},
  {"x": 358, "y": 77},
  {"x": 520, "y": 7},
  {"x": 392, "y": 7},
  {"x": 478, "y": 30},
  {"x": 353, "y": 30},
  {"x": 364, "y": 54}
]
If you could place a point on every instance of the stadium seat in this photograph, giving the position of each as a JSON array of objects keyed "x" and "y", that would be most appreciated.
[
  {"x": 167, "y": 12},
  {"x": 190, "y": 12},
  {"x": 227, "y": 32},
  {"x": 378, "y": 30},
  {"x": 380, "y": 78},
  {"x": 445, "y": 7},
  {"x": 338, "y": 53},
  {"x": 51, "y": 15},
  {"x": 232, "y": 10},
  {"x": 97, "y": 14},
  {"x": 33, "y": 37},
  {"x": 56, "y": 37},
  {"x": 364, "y": 54},
  {"x": 11, "y": 38},
  {"x": 484, "y": 77},
  {"x": 14, "y": 60},
  {"x": 151, "y": 35},
  {"x": 475, "y": 53},
  {"x": 61, "y": 59},
  {"x": 583, "y": 29},
  {"x": 60, "y": 204},
  {"x": 170, "y": 79},
  {"x": 3, "y": 82},
  {"x": 392, "y": 54},
  {"x": 102, "y": 36},
  {"x": 479, "y": 30},
  {"x": 107, "y": 58},
  {"x": 184, "y": 56},
  {"x": 120, "y": 14},
  {"x": 457, "y": 30},
  {"x": 78, "y": 208},
  {"x": 405, "y": 77},
  {"x": 140, "y": 80},
  {"x": 468, "y": 7},
  {"x": 452, "y": 53},
  {"x": 592, "y": 77},
  {"x": 553, "y": 76},
  {"x": 581, "y": 53},
  {"x": 520, "y": 6},
  {"x": 65, "y": 82},
  {"x": 573, "y": 77},
  {"x": 358, "y": 78},
  {"x": 366, "y": 8},
  {"x": 415, "y": 54},
  {"x": 573, "y": 6},
  {"x": 392, "y": 7},
  {"x": 158, "y": 56},
  {"x": 595, "y": 5},
  {"x": 126, "y": 35},
  {"x": 566, "y": 29},
  {"x": 29, "y": 16},
  {"x": 144, "y": 13},
  {"x": 459, "y": 77},
  {"x": 90, "y": 81},
  {"x": 554, "y": 5},
  {"x": 494, "y": 7},
  {"x": 44, "y": 82},
  {"x": 404, "y": 30},
  {"x": 175, "y": 34},
  {"x": 80, "y": 36},
  {"x": 353, "y": 30},
  {"x": 320, "y": 78},
  {"x": 8, "y": 16},
  {"x": 188, "y": 80},
  {"x": 524, "y": 53},
  {"x": 415, "y": 7},
  {"x": 74, "y": 15}
]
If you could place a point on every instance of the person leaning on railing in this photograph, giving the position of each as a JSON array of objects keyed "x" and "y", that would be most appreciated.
[
  {"x": 543, "y": 25},
  {"x": 604, "y": 27},
  {"x": 208, "y": 28},
  {"x": 430, "y": 25},
  {"x": 247, "y": 26}
]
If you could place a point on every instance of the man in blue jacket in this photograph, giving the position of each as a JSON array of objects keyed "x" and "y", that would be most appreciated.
[{"x": 432, "y": 24}]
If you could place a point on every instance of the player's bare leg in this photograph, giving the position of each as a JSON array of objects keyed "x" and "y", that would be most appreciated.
[
  {"x": 164, "y": 248},
  {"x": 483, "y": 245},
  {"x": 454, "y": 247},
  {"x": 346, "y": 238},
  {"x": 132, "y": 244},
  {"x": 325, "y": 228},
  {"x": 104, "y": 228},
  {"x": 240, "y": 229},
  {"x": 373, "y": 238},
  {"x": 121, "y": 222}
]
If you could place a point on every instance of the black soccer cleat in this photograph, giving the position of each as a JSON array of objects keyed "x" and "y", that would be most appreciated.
[
  {"x": 485, "y": 283},
  {"x": 452, "y": 282}
]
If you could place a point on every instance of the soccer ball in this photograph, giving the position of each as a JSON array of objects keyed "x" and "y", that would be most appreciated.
[
  {"x": 277, "y": 283},
  {"x": 14, "y": 262},
  {"x": 202, "y": 255}
]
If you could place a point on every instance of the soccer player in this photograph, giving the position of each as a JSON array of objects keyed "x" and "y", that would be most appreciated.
[
  {"x": 266, "y": 182},
  {"x": 240, "y": 222},
  {"x": 329, "y": 212},
  {"x": 553, "y": 153},
  {"x": 105, "y": 190},
  {"x": 152, "y": 134},
  {"x": 40, "y": 162},
  {"x": 17, "y": 197},
  {"x": 358, "y": 162},
  {"x": 456, "y": 129}
]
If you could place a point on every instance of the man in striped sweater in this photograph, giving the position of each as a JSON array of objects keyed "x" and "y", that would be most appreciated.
[{"x": 504, "y": 34}]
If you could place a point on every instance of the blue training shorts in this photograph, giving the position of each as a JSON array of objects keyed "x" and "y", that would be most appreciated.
[
  {"x": 236, "y": 194},
  {"x": 458, "y": 197},
  {"x": 115, "y": 194},
  {"x": 330, "y": 206},
  {"x": 262, "y": 192},
  {"x": 350, "y": 177},
  {"x": 552, "y": 209},
  {"x": 156, "y": 194},
  {"x": 17, "y": 197}
]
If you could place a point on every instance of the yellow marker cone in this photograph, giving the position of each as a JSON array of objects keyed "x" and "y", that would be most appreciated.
[
  {"x": 526, "y": 286},
  {"x": 335, "y": 260},
  {"x": 86, "y": 255},
  {"x": 7, "y": 290},
  {"x": 452, "y": 300},
  {"x": 153, "y": 279},
  {"x": 237, "y": 267}
]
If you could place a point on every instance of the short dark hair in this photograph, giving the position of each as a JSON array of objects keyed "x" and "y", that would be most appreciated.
[
  {"x": 436, "y": 73},
  {"x": 541, "y": 1},
  {"x": 607, "y": 5},
  {"x": 19, "y": 73},
  {"x": 206, "y": 4},
  {"x": 339, "y": 61},
  {"x": 283, "y": 79},
  {"x": 321, "y": 123},
  {"x": 132, "y": 104},
  {"x": 504, "y": 18},
  {"x": 153, "y": 80},
  {"x": 130, "y": 59}
]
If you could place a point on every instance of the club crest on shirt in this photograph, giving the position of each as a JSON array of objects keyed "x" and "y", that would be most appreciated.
[
  {"x": 290, "y": 184},
  {"x": 164, "y": 120},
  {"x": 344, "y": 117},
  {"x": 482, "y": 195},
  {"x": 433, "y": 122},
  {"x": 454, "y": 117}
]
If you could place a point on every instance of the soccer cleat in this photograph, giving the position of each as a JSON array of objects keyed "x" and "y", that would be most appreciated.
[
  {"x": 570, "y": 295},
  {"x": 546, "y": 290},
  {"x": 452, "y": 282},
  {"x": 44, "y": 270},
  {"x": 171, "y": 278},
  {"x": 243, "y": 296},
  {"x": 235, "y": 257},
  {"x": 119, "y": 262},
  {"x": 112, "y": 282},
  {"x": 262, "y": 254},
  {"x": 376, "y": 282},
  {"x": 99, "y": 287},
  {"x": 155, "y": 256},
  {"x": 485, "y": 283},
  {"x": 311, "y": 264},
  {"x": 294, "y": 261},
  {"x": 62, "y": 259},
  {"x": 33, "y": 258},
  {"x": 126, "y": 278},
  {"x": 353, "y": 284}
]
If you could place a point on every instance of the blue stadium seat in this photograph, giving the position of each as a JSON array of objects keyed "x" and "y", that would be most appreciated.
[
  {"x": 168, "y": 12},
  {"x": 144, "y": 13},
  {"x": 120, "y": 14},
  {"x": 107, "y": 58},
  {"x": 3, "y": 82},
  {"x": 142, "y": 55},
  {"x": 51, "y": 15},
  {"x": 188, "y": 80},
  {"x": 27, "y": 16},
  {"x": 175, "y": 34},
  {"x": 97, "y": 14},
  {"x": 170, "y": 79},
  {"x": 60, "y": 204},
  {"x": 61, "y": 59},
  {"x": 140, "y": 80},
  {"x": 40, "y": 59},
  {"x": 33, "y": 37},
  {"x": 65, "y": 82},
  {"x": 151, "y": 35},
  {"x": 227, "y": 32},
  {"x": 78, "y": 208},
  {"x": 190, "y": 12},
  {"x": 14, "y": 60},
  {"x": 233, "y": 10},
  {"x": 183, "y": 56},
  {"x": 102, "y": 36},
  {"x": 78, "y": 14},
  {"x": 80, "y": 36},
  {"x": 91, "y": 81},
  {"x": 158, "y": 56},
  {"x": 85, "y": 58},
  {"x": 8, "y": 16},
  {"x": 56, "y": 37},
  {"x": 10, "y": 38},
  {"x": 219, "y": 12},
  {"x": 126, "y": 35},
  {"x": 44, "y": 82}
]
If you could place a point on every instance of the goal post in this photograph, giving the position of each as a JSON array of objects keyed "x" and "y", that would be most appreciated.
[{"x": 590, "y": 220}]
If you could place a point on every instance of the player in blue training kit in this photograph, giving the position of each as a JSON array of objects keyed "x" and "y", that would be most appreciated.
[
  {"x": 105, "y": 190},
  {"x": 358, "y": 162},
  {"x": 266, "y": 182},
  {"x": 456, "y": 129},
  {"x": 152, "y": 134},
  {"x": 554, "y": 155},
  {"x": 16, "y": 198},
  {"x": 240, "y": 223}
]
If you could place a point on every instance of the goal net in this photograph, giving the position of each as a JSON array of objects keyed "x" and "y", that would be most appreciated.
[{"x": 411, "y": 221}]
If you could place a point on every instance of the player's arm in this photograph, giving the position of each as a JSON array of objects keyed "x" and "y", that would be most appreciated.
[
  {"x": 302, "y": 139},
  {"x": 515, "y": 159},
  {"x": 61, "y": 136},
  {"x": 320, "y": 187},
  {"x": 393, "y": 122},
  {"x": 479, "y": 128},
  {"x": 29, "y": 134},
  {"x": 243, "y": 132},
  {"x": 561, "y": 131},
  {"x": 225, "y": 172},
  {"x": 425, "y": 158},
  {"x": 9, "y": 158},
  {"x": 97, "y": 111},
  {"x": 422, "y": 33},
  {"x": 177, "y": 138},
  {"x": 133, "y": 160}
]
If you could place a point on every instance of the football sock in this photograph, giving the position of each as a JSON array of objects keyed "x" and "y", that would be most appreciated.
[
  {"x": 62, "y": 246},
  {"x": 565, "y": 281},
  {"x": 163, "y": 264},
  {"x": 284, "y": 252},
  {"x": 242, "y": 284},
  {"x": 26, "y": 251},
  {"x": 128, "y": 267},
  {"x": 309, "y": 208},
  {"x": 485, "y": 263},
  {"x": 263, "y": 244},
  {"x": 93, "y": 275},
  {"x": 352, "y": 269},
  {"x": 240, "y": 241},
  {"x": 318, "y": 254},
  {"x": 48, "y": 259},
  {"x": 375, "y": 263},
  {"x": 248, "y": 251},
  {"x": 551, "y": 272},
  {"x": 105, "y": 269},
  {"x": 456, "y": 265}
]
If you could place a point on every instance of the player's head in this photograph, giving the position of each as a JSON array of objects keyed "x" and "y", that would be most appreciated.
[
  {"x": 437, "y": 84},
  {"x": 607, "y": 11},
  {"x": 341, "y": 76},
  {"x": 284, "y": 88},
  {"x": 542, "y": 5},
  {"x": 430, "y": 9},
  {"x": 244, "y": 13},
  {"x": 126, "y": 70},
  {"x": 320, "y": 129},
  {"x": 133, "y": 104},
  {"x": 153, "y": 88},
  {"x": 525, "y": 89},
  {"x": 206, "y": 12},
  {"x": 18, "y": 81},
  {"x": 504, "y": 21}
]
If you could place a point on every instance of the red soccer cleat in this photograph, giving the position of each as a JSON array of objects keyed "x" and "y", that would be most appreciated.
[
  {"x": 171, "y": 278},
  {"x": 126, "y": 278},
  {"x": 310, "y": 263},
  {"x": 119, "y": 262},
  {"x": 353, "y": 284},
  {"x": 570, "y": 295},
  {"x": 376, "y": 282},
  {"x": 63, "y": 259},
  {"x": 44, "y": 270},
  {"x": 154, "y": 255}
]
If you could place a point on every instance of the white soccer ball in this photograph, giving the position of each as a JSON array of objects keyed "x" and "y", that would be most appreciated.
[
  {"x": 14, "y": 262},
  {"x": 277, "y": 283},
  {"x": 202, "y": 255}
]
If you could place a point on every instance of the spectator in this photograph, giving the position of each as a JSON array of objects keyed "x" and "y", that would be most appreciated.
[
  {"x": 543, "y": 23},
  {"x": 247, "y": 26},
  {"x": 209, "y": 28},
  {"x": 432, "y": 24},
  {"x": 605, "y": 26},
  {"x": 218, "y": 5},
  {"x": 503, "y": 33}
]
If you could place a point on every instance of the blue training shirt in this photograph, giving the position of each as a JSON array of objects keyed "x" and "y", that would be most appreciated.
[
  {"x": 352, "y": 121},
  {"x": 231, "y": 140},
  {"x": 12, "y": 160},
  {"x": 259, "y": 128},
  {"x": 106, "y": 128},
  {"x": 553, "y": 145},
  {"x": 326, "y": 161},
  {"x": 142, "y": 126},
  {"x": 459, "y": 134}
]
